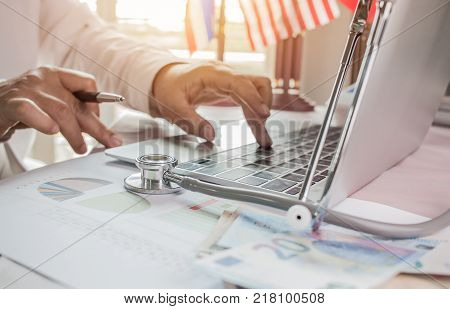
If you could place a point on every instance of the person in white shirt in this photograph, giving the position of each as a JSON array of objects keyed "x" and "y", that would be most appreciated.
[{"x": 52, "y": 48}]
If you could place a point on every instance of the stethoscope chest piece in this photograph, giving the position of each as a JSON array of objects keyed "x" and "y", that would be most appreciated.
[{"x": 151, "y": 178}]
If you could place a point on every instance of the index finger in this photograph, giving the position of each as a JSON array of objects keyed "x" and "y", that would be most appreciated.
[{"x": 258, "y": 128}]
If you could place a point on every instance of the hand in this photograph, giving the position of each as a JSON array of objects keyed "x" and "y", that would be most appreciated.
[
  {"x": 179, "y": 88},
  {"x": 42, "y": 99}
]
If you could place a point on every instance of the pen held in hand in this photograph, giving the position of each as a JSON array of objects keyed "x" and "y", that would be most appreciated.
[{"x": 99, "y": 97}]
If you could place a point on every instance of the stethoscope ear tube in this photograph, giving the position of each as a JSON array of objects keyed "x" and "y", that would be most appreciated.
[
  {"x": 377, "y": 228},
  {"x": 389, "y": 230}
]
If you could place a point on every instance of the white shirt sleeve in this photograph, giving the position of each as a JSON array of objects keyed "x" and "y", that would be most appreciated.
[{"x": 74, "y": 37}]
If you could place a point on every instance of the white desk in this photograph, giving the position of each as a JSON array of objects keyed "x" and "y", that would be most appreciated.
[{"x": 133, "y": 127}]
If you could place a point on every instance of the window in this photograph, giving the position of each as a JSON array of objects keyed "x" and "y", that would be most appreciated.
[{"x": 163, "y": 22}]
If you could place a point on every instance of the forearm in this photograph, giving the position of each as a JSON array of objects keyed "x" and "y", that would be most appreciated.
[{"x": 119, "y": 63}]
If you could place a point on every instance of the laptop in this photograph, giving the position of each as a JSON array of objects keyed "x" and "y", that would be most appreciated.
[{"x": 399, "y": 98}]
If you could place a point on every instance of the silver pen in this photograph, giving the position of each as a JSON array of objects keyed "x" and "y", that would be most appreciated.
[{"x": 99, "y": 97}]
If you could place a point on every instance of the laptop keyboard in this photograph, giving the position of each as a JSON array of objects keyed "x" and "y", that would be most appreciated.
[{"x": 281, "y": 168}]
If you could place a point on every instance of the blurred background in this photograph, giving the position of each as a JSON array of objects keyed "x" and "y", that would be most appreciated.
[{"x": 163, "y": 23}]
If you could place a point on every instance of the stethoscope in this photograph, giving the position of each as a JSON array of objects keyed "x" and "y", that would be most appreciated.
[
  {"x": 157, "y": 177},
  {"x": 157, "y": 174}
]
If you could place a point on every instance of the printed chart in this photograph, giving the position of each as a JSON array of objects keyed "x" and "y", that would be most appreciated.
[{"x": 68, "y": 188}]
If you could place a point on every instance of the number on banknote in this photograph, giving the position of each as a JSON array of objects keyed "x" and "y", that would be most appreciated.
[{"x": 283, "y": 248}]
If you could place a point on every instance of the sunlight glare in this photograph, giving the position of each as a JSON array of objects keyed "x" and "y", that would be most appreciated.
[{"x": 168, "y": 15}]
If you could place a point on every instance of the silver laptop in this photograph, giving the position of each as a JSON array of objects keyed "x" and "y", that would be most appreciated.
[{"x": 399, "y": 99}]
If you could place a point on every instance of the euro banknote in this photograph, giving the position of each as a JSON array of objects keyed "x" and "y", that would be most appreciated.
[
  {"x": 263, "y": 249},
  {"x": 327, "y": 259}
]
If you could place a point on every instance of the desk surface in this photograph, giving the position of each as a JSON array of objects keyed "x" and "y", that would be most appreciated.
[{"x": 419, "y": 180}]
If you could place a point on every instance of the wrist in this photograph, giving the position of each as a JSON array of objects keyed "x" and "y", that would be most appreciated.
[{"x": 160, "y": 82}]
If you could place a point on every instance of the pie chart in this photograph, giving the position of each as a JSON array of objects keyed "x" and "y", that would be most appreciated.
[{"x": 67, "y": 188}]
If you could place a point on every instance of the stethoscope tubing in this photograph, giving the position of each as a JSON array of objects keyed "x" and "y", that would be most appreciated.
[{"x": 378, "y": 228}]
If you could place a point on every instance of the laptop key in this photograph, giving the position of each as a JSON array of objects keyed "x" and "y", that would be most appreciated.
[
  {"x": 266, "y": 175},
  {"x": 301, "y": 160},
  {"x": 328, "y": 157},
  {"x": 294, "y": 177},
  {"x": 204, "y": 162},
  {"x": 219, "y": 157},
  {"x": 214, "y": 169},
  {"x": 278, "y": 170},
  {"x": 251, "y": 157},
  {"x": 265, "y": 161},
  {"x": 255, "y": 167},
  {"x": 318, "y": 178},
  {"x": 288, "y": 155},
  {"x": 289, "y": 165},
  {"x": 265, "y": 151},
  {"x": 294, "y": 191},
  {"x": 324, "y": 162},
  {"x": 236, "y": 162},
  {"x": 254, "y": 181},
  {"x": 321, "y": 167},
  {"x": 278, "y": 148},
  {"x": 301, "y": 171},
  {"x": 279, "y": 185},
  {"x": 189, "y": 166},
  {"x": 235, "y": 173},
  {"x": 276, "y": 159}
]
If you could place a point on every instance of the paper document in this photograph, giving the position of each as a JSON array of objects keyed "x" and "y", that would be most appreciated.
[{"x": 75, "y": 223}]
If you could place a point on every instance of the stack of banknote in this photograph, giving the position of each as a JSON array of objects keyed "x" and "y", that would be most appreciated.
[{"x": 257, "y": 250}]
